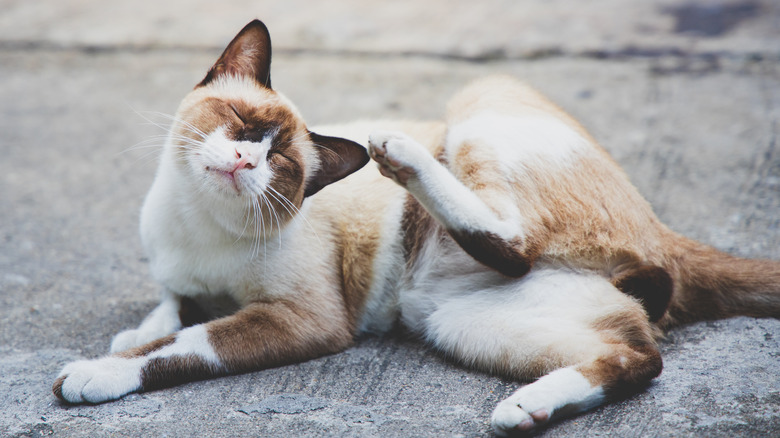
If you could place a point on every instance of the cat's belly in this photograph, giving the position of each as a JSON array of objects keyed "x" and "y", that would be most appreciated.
[{"x": 443, "y": 271}]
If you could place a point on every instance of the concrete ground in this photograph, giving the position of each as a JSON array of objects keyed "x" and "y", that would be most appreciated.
[{"x": 684, "y": 93}]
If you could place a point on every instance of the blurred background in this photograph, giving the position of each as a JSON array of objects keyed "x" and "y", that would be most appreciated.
[{"x": 685, "y": 94}]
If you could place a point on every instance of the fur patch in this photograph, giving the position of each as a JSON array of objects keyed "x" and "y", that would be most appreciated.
[
  {"x": 651, "y": 285},
  {"x": 512, "y": 258}
]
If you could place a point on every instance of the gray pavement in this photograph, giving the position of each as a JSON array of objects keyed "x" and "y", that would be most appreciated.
[{"x": 684, "y": 94}]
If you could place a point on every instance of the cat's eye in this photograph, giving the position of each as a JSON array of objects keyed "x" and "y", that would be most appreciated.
[
  {"x": 276, "y": 153},
  {"x": 235, "y": 111}
]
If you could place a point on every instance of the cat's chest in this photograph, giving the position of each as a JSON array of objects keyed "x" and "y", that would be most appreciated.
[
  {"x": 209, "y": 262},
  {"x": 195, "y": 268}
]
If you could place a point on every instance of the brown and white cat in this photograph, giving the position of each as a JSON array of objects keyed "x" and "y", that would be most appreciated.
[{"x": 504, "y": 236}]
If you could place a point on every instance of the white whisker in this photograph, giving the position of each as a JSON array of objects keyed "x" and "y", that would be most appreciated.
[{"x": 298, "y": 212}]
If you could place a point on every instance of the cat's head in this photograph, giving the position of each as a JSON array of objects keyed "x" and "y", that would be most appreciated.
[{"x": 236, "y": 138}]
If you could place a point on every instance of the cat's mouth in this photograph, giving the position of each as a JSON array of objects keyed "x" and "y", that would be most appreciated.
[{"x": 225, "y": 177}]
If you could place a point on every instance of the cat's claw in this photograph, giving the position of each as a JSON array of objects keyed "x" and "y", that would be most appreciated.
[{"x": 398, "y": 156}]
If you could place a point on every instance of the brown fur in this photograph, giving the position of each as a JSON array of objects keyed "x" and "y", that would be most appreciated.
[
  {"x": 418, "y": 225},
  {"x": 240, "y": 57},
  {"x": 358, "y": 244},
  {"x": 56, "y": 387},
  {"x": 710, "y": 284},
  {"x": 632, "y": 358},
  {"x": 164, "y": 372},
  {"x": 512, "y": 258},
  {"x": 190, "y": 313},
  {"x": 624, "y": 370},
  {"x": 651, "y": 285},
  {"x": 279, "y": 332}
]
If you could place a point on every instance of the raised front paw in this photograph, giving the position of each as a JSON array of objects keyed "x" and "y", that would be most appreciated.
[
  {"x": 399, "y": 157},
  {"x": 100, "y": 380}
]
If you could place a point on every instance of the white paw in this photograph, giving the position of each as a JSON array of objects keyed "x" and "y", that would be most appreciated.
[
  {"x": 399, "y": 157},
  {"x": 128, "y": 339},
  {"x": 96, "y": 381},
  {"x": 562, "y": 392},
  {"x": 509, "y": 418}
]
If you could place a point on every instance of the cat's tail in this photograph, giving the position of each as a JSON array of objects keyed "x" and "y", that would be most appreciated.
[{"x": 710, "y": 284}]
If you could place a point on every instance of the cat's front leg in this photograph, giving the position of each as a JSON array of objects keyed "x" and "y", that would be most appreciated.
[
  {"x": 259, "y": 336},
  {"x": 161, "y": 321}
]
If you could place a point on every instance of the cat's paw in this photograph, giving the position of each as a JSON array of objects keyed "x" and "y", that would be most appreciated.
[
  {"x": 128, "y": 339},
  {"x": 510, "y": 419},
  {"x": 96, "y": 381},
  {"x": 399, "y": 157}
]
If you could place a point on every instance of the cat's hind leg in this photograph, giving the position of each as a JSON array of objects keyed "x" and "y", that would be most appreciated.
[
  {"x": 587, "y": 341},
  {"x": 487, "y": 222}
]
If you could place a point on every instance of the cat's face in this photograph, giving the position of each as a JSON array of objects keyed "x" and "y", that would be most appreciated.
[{"x": 238, "y": 139}]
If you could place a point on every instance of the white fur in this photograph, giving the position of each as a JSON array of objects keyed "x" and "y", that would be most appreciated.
[
  {"x": 161, "y": 321},
  {"x": 435, "y": 187},
  {"x": 561, "y": 388},
  {"x": 219, "y": 153},
  {"x": 521, "y": 142},
  {"x": 99, "y": 380},
  {"x": 172, "y": 214},
  {"x": 481, "y": 314},
  {"x": 526, "y": 325},
  {"x": 190, "y": 341}
]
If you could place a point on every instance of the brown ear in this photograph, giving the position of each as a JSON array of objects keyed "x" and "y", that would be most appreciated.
[
  {"x": 339, "y": 157},
  {"x": 249, "y": 54}
]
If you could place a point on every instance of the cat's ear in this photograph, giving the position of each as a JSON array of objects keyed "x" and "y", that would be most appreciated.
[
  {"x": 339, "y": 157},
  {"x": 249, "y": 54}
]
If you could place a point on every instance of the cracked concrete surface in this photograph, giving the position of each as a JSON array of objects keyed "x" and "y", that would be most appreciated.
[{"x": 684, "y": 94}]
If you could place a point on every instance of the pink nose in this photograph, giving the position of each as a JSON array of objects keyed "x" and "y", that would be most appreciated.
[{"x": 245, "y": 159}]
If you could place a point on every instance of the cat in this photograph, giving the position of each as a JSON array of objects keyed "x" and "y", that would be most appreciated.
[{"x": 504, "y": 236}]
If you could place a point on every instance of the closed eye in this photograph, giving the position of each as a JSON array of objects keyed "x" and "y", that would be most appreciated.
[
  {"x": 275, "y": 152},
  {"x": 235, "y": 111}
]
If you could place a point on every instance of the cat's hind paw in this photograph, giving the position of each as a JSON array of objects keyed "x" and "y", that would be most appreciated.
[
  {"x": 399, "y": 157},
  {"x": 97, "y": 381},
  {"x": 510, "y": 419}
]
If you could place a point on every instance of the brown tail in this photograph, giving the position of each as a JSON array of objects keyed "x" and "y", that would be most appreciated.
[{"x": 710, "y": 284}]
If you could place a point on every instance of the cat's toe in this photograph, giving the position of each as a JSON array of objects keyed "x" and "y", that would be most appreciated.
[
  {"x": 96, "y": 381},
  {"x": 509, "y": 419},
  {"x": 378, "y": 140},
  {"x": 399, "y": 156}
]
